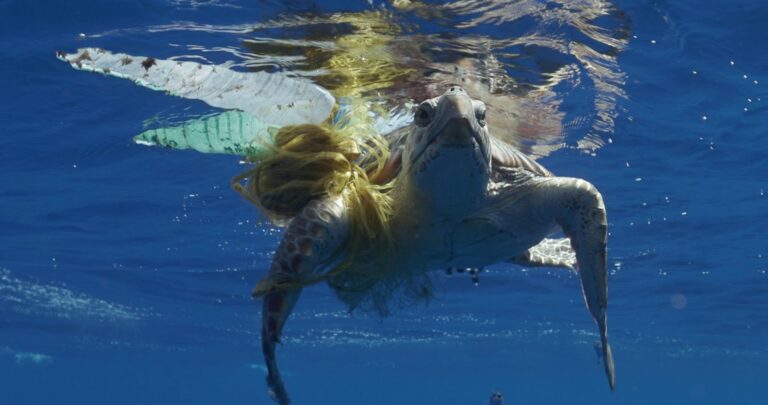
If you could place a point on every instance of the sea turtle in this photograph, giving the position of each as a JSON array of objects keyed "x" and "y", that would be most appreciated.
[
  {"x": 461, "y": 199},
  {"x": 374, "y": 217}
]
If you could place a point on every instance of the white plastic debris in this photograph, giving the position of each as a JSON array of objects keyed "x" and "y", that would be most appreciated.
[{"x": 276, "y": 98}]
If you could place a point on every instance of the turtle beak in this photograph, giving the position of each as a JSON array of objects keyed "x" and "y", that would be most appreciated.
[
  {"x": 458, "y": 132},
  {"x": 457, "y": 126},
  {"x": 458, "y": 114}
]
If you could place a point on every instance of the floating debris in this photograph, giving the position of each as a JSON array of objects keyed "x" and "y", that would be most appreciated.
[{"x": 276, "y": 98}]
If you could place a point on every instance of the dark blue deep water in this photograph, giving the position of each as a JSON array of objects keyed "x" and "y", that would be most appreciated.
[{"x": 125, "y": 271}]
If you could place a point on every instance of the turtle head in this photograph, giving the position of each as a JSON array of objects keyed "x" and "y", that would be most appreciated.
[{"x": 448, "y": 151}]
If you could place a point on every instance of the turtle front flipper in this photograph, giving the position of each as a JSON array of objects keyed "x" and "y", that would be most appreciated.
[
  {"x": 577, "y": 207},
  {"x": 581, "y": 214},
  {"x": 277, "y": 306},
  {"x": 310, "y": 246}
]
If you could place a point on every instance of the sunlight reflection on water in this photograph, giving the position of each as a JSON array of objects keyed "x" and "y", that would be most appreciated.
[{"x": 547, "y": 71}]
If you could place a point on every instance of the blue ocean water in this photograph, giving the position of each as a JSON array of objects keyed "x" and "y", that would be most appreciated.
[{"x": 125, "y": 271}]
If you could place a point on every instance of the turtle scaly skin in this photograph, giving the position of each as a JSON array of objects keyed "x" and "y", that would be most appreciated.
[{"x": 463, "y": 199}]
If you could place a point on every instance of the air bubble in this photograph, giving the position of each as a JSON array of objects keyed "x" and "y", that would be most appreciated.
[{"x": 678, "y": 301}]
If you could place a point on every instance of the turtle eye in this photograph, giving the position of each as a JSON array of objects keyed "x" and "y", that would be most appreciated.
[
  {"x": 480, "y": 114},
  {"x": 423, "y": 115}
]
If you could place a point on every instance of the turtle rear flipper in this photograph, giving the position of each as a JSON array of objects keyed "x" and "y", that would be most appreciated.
[{"x": 548, "y": 253}]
